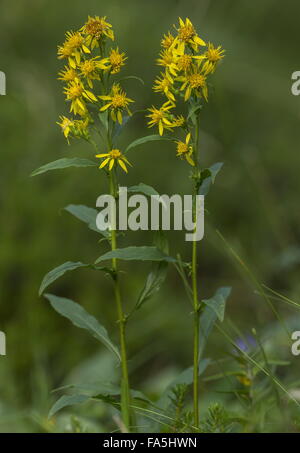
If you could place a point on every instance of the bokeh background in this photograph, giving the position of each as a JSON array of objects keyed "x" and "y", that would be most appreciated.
[{"x": 251, "y": 124}]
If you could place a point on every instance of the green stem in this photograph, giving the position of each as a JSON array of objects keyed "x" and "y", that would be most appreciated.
[
  {"x": 195, "y": 290},
  {"x": 125, "y": 390},
  {"x": 196, "y": 333}
]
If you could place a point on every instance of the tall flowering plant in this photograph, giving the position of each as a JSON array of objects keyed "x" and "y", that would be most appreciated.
[
  {"x": 99, "y": 108},
  {"x": 187, "y": 63}
]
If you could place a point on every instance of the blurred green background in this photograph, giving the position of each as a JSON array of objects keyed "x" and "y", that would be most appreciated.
[{"x": 251, "y": 124}]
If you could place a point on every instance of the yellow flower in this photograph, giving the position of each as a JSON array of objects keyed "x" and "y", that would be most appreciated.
[
  {"x": 167, "y": 41},
  {"x": 184, "y": 150},
  {"x": 90, "y": 70},
  {"x": 113, "y": 156},
  {"x": 163, "y": 85},
  {"x": 77, "y": 94},
  {"x": 187, "y": 36},
  {"x": 66, "y": 124},
  {"x": 211, "y": 58},
  {"x": 184, "y": 62},
  {"x": 68, "y": 74},
  {"x": 81, "y": 128},
  {"x": 179, "y": 121},
  {"x": 167, "y": 59},
  {"x": 75, "y": 128},
  {"x": 194, "y": 83},
  {"x": 117, "y": 102},
  {"x": 116, "y": 60},
  {"x": 96, "y": 29},
  {"x": 161, "y": 117},
  {"x": 72, "y": 48}
]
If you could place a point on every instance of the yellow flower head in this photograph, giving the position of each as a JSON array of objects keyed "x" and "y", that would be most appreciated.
[
  {"x": 212, "y": 56},
  {"x": 161, "y": 117},
  {"x": 117, "y": 103},
  {"x": 114, "y": 156},
  {"x": 72, "y": 48},
  {"x": 187, "y": 36},
  {"x": 116, "y": 60},
  {"x": 96, "y": 29},
  {"x": 179, "y": 121},
  {"x": 194, "y": 83},
  {"x": 167, "y": 59},
  {"x": 184, "y": 62},
  {"x": 184, "y": 150},
  {"x": 66, "y": 124},
  {"x": 75, "y": 128},
  {"x": 167, "y": 41},
  {"x": 81, "y": 128},
  {"x": 78, "y": 95},
  {"x": 164, "y": 85},
  {"x": 68, "y": 74},
  {"x": 90, "y": 70}
]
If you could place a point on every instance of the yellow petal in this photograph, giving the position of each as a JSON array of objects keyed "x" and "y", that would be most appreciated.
[
  {"x": 160, "y": 128},
  {"x": 105, "y": 107},
  {"x": 111, "y": 163},
  {"x": 122, "y": 165},
  {"x": 104, "y": 162}
]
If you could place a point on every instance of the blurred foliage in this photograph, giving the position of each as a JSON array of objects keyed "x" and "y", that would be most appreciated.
[{"x": 251, "y": 124}]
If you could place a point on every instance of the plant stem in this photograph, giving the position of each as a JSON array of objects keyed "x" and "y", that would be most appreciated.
[
  {"x": 125, "y": 392},
  {"x": 195, "y": 289},
  {"x": 196, "y": 333}
]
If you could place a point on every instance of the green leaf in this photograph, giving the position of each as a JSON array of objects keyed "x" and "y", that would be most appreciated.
[
  {"x": 208, "y": 177},
  {"x": 59, "y": 271},
  {"x": 54, "y": 274},
  {"x": 213, "y": 310},
  {"x": 153, "y": 284},
  {"x": 119, "y": 127},
  {"x": 67, "y": 400},
  {"x": 218, "y": 301},
  {"x": 143, "y": 188},
  {"x": 147, "y": 138},
  {"x": 136, "y": 254},
  {"x": 104, "y": 391},
  {"x": 103, "y": 117},
  {"x": 64, "y": 163},
  {"x": 86, "y": 215},
  {"x": 82, "y": 319},
  {"x": 192, "y": 112},
  {"x": 133, "y": 78}
]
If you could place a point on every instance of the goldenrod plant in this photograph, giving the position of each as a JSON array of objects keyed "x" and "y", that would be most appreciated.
[
  {"x": 99, "y": 108},
  {"x": 188, "y": 62}
]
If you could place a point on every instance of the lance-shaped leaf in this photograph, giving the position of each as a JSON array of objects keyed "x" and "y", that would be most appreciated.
[
  {"x": 64, "y": 163},
  {"x": 59, "y": 271},
  {"x": 153, "y": 284},
  {"x": 143, "y": 188},
  {"x": 86, "y": 215},
  {"x": 65, "y": 401},
  {"x": 214, "y": 309},
  {"x": 82, "y": 319},
  {"x": 142, "y": 253},
  {"x": 147, "y": 138},
  {"x": 83, "y": 392},
  {"x": 208, "y": 177}
]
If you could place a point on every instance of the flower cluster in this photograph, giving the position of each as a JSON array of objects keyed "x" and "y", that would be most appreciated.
[
  {"x": 89, "y": 64},
  {"x": 187, "y": 61}
]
